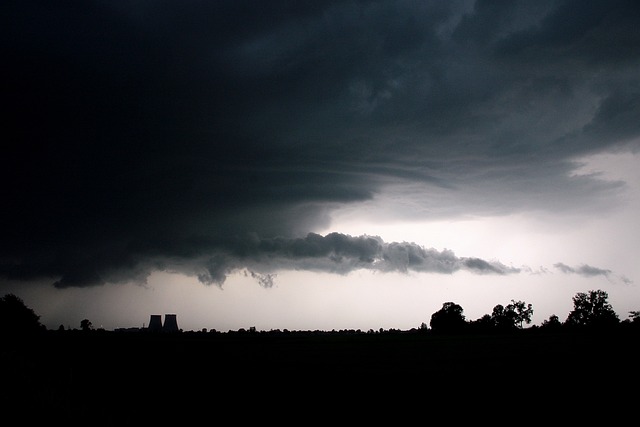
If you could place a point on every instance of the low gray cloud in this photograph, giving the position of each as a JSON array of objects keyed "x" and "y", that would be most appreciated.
[
  {"x": 583, "y": 270},
  {"x": 141, "y": 135},
  {"x": 265, "y": 280},
  {"x": 337, "y": 253}
]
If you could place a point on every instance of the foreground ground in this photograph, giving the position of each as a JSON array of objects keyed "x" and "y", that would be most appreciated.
[{"x": 132, "y": 378}]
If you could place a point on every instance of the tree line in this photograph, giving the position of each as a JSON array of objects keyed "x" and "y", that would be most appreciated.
[{"x": 591, "y": 310}]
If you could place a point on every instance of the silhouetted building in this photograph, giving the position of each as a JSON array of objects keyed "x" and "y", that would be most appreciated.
[
  {"x": 155, "y": 323},
  {"x": 170, "y": 323}
]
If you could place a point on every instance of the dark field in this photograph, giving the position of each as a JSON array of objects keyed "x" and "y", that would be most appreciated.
[{"x": 114, "y": 378}]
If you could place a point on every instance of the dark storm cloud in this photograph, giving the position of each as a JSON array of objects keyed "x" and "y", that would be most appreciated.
[{"x": 150, "y": 135}]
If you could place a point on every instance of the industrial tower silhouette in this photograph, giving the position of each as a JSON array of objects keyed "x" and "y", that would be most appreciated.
[{"x": 170, "y": 323}]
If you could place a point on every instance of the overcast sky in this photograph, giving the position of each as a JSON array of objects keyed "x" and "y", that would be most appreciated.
[{"x": 318, "y": 164}]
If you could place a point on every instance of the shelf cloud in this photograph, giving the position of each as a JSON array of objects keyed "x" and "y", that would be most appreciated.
[{"x": 159, "y": 135}]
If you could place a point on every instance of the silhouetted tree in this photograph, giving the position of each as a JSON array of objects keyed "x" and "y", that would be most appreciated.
[
  {"x": 523, "y": 312},
  {"x": 504, "y": 318},
  {"x": 16, "y": 317},
  {"x": 553, "y": 322},
  {"x": 592, "y": 309},
  {"x": 449, "y": 318},
  {"x": 512, "y": 316},
  {"x": 85, "y": 325},
  {"x": 483, "y": 324},
  {"x": 633, "y": 320}
]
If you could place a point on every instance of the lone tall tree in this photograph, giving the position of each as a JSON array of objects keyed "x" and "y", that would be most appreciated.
[{"x": 86, "y": 325}]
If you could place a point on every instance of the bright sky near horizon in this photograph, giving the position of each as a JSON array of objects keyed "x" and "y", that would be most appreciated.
[{"x": 318, "y": 165}]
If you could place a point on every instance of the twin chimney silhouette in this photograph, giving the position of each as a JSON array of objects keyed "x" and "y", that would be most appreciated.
[{"x": 170, "y": 323}]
